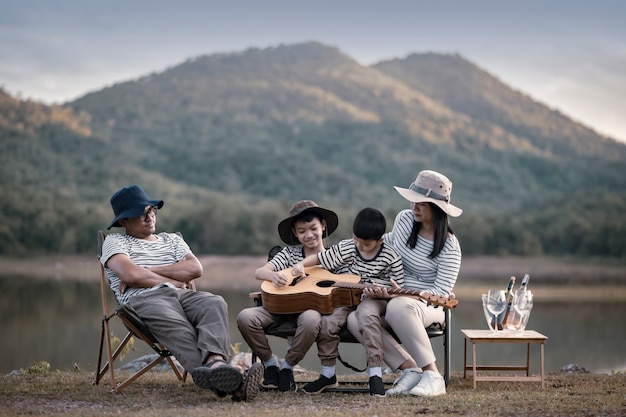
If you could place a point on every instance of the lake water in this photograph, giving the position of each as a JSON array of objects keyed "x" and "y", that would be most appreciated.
[{"x": 59, "y": 322}]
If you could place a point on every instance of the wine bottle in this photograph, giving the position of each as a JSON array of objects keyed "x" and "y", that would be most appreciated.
[
  {"x": 509, "y": 302},
  {"x": 514, "y": 319},
  {"x": 524, "y": 284}
]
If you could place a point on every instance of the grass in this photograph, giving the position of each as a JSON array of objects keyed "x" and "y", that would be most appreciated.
[
  {"x": 71, "y": 393},
  {"x": 40, "y": 391}
]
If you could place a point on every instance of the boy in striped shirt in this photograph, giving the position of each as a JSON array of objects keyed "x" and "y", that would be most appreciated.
[{"x": 367, "y": 256}]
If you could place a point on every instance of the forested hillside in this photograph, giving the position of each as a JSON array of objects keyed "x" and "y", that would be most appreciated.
[{"x": 230, "y": 141}]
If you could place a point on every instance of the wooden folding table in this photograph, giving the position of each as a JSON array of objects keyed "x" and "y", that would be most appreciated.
[{"x": 486, "y": 336}]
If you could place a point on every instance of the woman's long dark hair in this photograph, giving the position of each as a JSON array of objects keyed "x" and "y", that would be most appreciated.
[{"x": 442, "y": 228}]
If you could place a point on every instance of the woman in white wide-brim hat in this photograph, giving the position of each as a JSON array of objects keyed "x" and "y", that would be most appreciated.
[{"x": 431, "y": 257}]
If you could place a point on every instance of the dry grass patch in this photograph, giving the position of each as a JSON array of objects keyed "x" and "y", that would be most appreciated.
[{"x": 157, "y": 394}]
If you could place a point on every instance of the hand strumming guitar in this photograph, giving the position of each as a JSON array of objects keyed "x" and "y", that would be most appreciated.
[
  {"x": 298, "y": 270},
  {"x": 280, "y": 280}
]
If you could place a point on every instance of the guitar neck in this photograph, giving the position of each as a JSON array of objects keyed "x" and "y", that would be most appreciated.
[{"x": 430, "y": 298}]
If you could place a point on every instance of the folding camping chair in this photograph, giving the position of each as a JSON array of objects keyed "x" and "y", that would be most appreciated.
[
  {"x": 136, "y": 328},
  {"x": 287, "y": 329}
]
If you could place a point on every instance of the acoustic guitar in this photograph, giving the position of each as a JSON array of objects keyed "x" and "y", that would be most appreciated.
[{"x": 322, "y": 291}]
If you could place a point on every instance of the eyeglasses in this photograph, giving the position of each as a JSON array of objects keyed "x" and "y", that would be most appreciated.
[{"x": 150, "y": 211}]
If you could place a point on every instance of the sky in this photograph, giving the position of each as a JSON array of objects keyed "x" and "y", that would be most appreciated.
[{"x": 567, "y": 54}]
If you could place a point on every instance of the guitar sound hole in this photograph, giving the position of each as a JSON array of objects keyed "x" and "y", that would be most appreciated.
[{"x": 325, "y": 284}]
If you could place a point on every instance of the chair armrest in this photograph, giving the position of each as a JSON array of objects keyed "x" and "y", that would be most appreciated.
[{"x": 256, "y": 298}]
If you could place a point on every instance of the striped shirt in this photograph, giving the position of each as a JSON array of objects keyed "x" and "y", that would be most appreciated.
[
  {"x": 436, "y": 276},
  {"x": 291, "y": 255},
  {"x": 169, "y": 248},
  {"x": 287, "y": 257},
  {"x": 386, "y": 265}
]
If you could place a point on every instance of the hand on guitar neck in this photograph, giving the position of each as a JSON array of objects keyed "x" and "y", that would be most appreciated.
[{"x": 380, "y": 292}]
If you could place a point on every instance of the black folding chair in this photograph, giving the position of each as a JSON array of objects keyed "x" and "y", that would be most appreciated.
[{"x": 286, "y": 329}]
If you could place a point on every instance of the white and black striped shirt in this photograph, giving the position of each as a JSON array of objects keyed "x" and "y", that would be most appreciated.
[
  {"x": 287, "y": 257},
  {"x": 436, "y": 276},
  {"x": 167, "y": 249},
  {"x": 291, "y": 255},
  {"x": 379, "y": 270}
]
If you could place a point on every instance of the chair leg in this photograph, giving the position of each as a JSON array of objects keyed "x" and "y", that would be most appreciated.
[
  {"x": 98, "y": 373},
  {"x": 447, "y": 342},
  {"x": 140, "y": 373},
  {"x": 181, "y": 377},
  {"x": 111, "y": 356}
]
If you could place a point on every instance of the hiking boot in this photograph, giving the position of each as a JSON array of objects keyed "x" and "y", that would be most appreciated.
[
  {"x": 217, "y": 376},
  {"x": 286, "y": 381},
  {"x": 377, "y": 388},
  {"x": 431, "y": 385},
  {"x": 407, "y": 380},
  {"x": 320, "y": 385},
  {"x": 270, "y": 377},
  {"x": 251, "y": 383}
]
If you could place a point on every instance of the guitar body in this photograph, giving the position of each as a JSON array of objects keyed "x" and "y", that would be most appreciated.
[{"x": 315, "y": 291}]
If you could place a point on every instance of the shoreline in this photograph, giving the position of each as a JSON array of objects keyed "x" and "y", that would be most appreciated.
[{"x": 551, "y": 278}]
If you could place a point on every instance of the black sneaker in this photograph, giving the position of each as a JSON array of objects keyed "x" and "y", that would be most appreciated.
[
  {"x": 377, "y": 388},
  {"x": 270, "y": 377},
  {"x": 286, "y": 381},
  {"x": 320, "y": 385}
]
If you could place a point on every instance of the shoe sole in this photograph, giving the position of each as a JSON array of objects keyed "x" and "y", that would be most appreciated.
[
  {"x": 223, "y": 378},
  {"x": 335, "y": 385},
  {"x": 392, "y": 393},
  {"x": 292, "y": 388},
  {"x": 252, "y": 382},
  {"x": 428, "y": 395}
]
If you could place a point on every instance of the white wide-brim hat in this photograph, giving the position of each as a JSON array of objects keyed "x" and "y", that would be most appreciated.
[{"x": 432, "y": 187}]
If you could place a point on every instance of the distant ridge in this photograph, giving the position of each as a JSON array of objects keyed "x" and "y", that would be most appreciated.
[
  {"x": 232, "y": 140},
  {"x": 467, "y": 89}
]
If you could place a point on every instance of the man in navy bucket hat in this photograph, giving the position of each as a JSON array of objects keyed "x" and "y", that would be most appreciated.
[
  {"x": 150, "y": 272},
  {"x": 131, "y": 202}
]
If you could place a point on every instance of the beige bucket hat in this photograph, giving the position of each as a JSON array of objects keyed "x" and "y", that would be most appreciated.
[{"x": 432, "y": 187}]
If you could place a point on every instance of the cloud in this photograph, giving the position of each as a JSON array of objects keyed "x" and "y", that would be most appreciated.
[{"x": 569, "y": 54}]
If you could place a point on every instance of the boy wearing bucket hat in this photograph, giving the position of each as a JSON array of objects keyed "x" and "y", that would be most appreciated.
[
  {"x": 431, "y": 256},
  {"x": 150, "y": 273},
  {"x": 303, "y": 231}
]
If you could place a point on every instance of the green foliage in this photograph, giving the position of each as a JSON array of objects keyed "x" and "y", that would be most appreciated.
[
  {"x": 115, "y": 343},
  {"x": 231, "y": 141},
  {"x": 38, "y": 368}
]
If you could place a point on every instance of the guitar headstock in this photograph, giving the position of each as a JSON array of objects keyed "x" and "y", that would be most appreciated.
[{"x": 446, "y": 302}]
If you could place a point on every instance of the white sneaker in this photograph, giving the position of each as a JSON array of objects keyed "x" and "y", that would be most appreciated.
[
  {"x": 407, "y": 380},
  {"x": 431, "y": 385}
]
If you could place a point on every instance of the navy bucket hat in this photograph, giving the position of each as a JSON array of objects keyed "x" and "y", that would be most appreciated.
[{"x": 130, "y": 202}]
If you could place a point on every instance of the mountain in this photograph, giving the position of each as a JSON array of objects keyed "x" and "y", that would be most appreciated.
[
  {"x": 469, "y": 90},
  {"x": 232, "y": 140}
]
